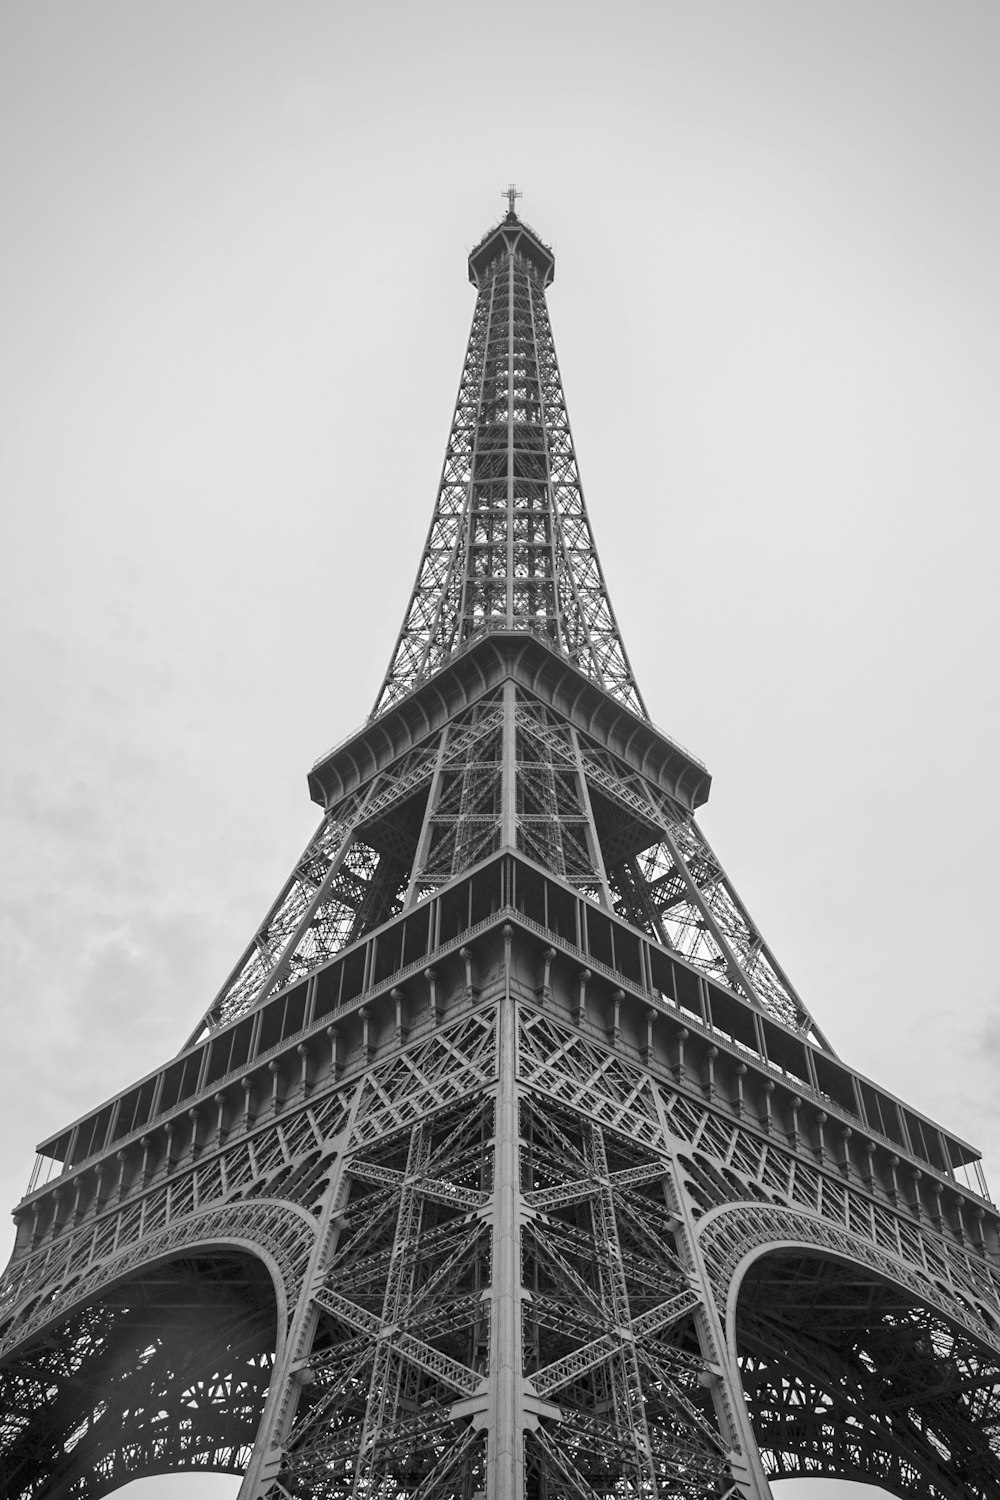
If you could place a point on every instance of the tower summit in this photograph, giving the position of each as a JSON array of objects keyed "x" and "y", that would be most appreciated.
[{"x": 507, "y": 1163}]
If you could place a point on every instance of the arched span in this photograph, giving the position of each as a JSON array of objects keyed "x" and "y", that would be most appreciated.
[
  {"x": 150, "y": 1360},
  {"x": 848, "y": 1372},
  {"x": 164, "y": 1369},
  {"x": 279, "y": 1234}
]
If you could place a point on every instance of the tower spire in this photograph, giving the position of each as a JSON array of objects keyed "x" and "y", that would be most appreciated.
[
  {"x": 511, "y": 194},
  {"x": 510, "y": 545}
]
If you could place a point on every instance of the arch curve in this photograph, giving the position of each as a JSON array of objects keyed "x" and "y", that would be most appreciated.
[
  {"x": 163, "y": 1369},
  {"x": 855, "y": 1364},
  {"x": 276, "y": 1233},
  {"x": 153, "y": 1361}
]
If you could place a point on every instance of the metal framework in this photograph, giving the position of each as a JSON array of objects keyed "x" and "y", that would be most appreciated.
[
  {"x": 507, "y": 1164},
  {"x": 510, "y": 545}
]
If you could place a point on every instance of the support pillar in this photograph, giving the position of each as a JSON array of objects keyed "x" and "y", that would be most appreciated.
[{"x": 505, "y": 1460}]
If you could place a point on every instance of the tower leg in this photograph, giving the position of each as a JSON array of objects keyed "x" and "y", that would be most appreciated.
[
  {"x": 261, "y": 1478},
  {"x": 721, "y": 1371}
]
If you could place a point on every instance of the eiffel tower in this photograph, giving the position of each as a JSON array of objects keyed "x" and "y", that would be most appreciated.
[{"x": 507, "y": 1164}]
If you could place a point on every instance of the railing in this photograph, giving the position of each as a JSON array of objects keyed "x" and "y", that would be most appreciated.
[{"x": 510, "y": 904}]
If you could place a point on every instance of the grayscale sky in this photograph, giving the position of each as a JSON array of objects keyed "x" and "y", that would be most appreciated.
[{"x": 233, "y": 309}]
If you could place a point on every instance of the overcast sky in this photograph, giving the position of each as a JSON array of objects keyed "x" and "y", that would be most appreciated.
[{"x": 233, "y": 309}]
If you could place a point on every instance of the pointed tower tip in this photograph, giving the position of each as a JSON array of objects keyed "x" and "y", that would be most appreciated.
[{"x": 511, "y": 235}]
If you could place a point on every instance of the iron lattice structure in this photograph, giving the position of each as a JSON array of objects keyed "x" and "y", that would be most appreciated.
[{"x": 507, "y": 1164}]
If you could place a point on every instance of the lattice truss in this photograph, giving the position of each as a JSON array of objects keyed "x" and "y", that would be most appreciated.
[
  {"x": 352, "y": 876},
  {"x": 510, "y": 545},
  {"x": 402, "y": 1351},
  {"x": 576, "y": 809},
  {"x": 845, "y": 1368},
  {"x": 666, "y": 878},
  {"x": 464, "y": 821}
]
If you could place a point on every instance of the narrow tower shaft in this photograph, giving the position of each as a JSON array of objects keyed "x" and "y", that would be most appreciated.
[{"x": 510, "y": 545}]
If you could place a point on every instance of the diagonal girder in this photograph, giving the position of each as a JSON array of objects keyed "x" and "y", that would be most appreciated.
[
  {"x": 458, "y": 1376},
  {"x": 572, "y": 1366}
]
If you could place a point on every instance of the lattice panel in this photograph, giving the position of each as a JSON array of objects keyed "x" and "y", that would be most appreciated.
[
  {"x": 587, "y": 1077},
  {"x": 666, "y": 878},
  {"x": 554, "y": 825},
  {"x": 351, "y": 877},
  {"x": 287, "y": 916},
  {"x": 761, "y": 975},
  {"x": 463, "y": 822},
  {"x": 169, "y": 1369},
  {"x": 730, "y": 1236},
  {"x": 428, "y": 1076},
  {"x": 404, "y": 1320},
  {"x": 727, "y": 1162},
  {"x": 609, "y": 1331},
  {"x": 286, "y": 1158}
]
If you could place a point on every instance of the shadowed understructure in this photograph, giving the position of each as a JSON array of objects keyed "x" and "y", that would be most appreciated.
[
  {"x": 507, "y": 1163},
  {"x": 164, "y": 1370}
]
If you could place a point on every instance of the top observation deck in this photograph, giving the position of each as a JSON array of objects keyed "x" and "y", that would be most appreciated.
[{"x": 511, "y": 236}]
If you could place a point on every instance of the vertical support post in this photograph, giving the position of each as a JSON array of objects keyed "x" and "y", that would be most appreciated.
[
  {"x": 679, "y": 1069},
  {"x": 767, "y": 1119},
  {"x": 465, "y": 954},
  {"x": 593, "y": 845},
  {"x": 547, "y": 958},
  {"x": 432, "y": 1001},
  {"x": 424, "y": 842},
  {"x": 580, "y": 1010},
  {"x": 508, "y": 782},
  {"x": 401, "y": 1030},
  {"x": 505, "y": 1458},
  {"x": 648, "y": 1051},
  {"x": 615, "y": 1031},
  {"x": 292, "y": 1364}
]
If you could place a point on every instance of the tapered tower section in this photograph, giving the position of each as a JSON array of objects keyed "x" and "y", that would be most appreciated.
[
  {"x": 507, "y": 1163},
  {"x": 510, "y": 545}
]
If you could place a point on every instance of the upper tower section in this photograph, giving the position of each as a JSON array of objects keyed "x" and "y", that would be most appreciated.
[
  {"x": 511, "y": 237},
  {"x": 510, "y": 546}
]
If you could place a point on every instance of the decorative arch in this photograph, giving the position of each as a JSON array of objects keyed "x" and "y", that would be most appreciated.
[
  {"x": 152, "y": 1361},
  {"x": 853, "y": 1365},
  {"x": 278, "y": 1234}
]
